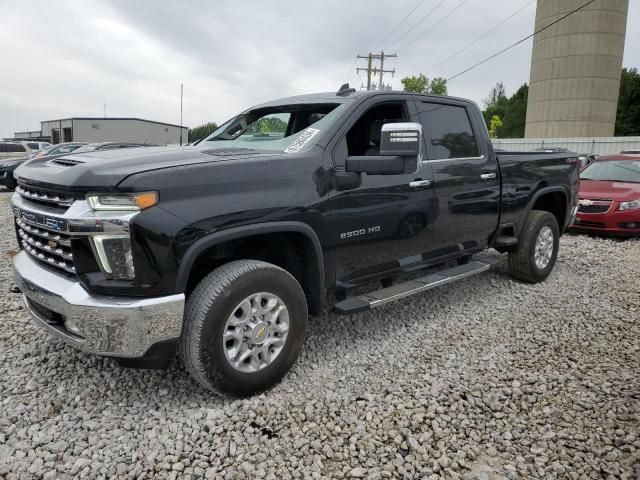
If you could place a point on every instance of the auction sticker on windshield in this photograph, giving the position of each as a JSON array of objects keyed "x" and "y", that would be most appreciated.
[{"x": 302, "y": 140}]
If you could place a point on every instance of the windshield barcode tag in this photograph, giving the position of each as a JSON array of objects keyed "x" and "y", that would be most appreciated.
[{"x": 300, "y": 142}]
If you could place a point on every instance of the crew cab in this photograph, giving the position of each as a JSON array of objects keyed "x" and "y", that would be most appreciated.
[{"x": 221, "y": 251}]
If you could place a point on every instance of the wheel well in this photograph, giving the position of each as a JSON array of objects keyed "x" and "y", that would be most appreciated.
[
  {"x": 554, "y": 203},
  {"x": 292, "y": 251}
]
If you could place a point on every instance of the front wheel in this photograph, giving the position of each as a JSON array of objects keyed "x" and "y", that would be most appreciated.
[
  {"x": 245, "y": 323},
  {"x": 537, "y": 250}
]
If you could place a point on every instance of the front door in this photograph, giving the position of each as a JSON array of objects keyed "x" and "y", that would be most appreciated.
[
  {"x": 465, "y": 173},
  {"x": 383, "y": 223}
]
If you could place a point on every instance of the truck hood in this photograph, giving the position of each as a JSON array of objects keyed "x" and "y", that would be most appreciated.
[
  {"x": 104, "y": 170},
  {"x": 606, "y": 189}
]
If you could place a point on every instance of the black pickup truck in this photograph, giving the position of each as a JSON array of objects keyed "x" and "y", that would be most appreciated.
[{"x": 219, "y": 252}]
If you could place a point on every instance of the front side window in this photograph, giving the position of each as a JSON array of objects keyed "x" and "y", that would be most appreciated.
[
  {"x": 447, "y": 131},
  {"x": 15, "y": 148},
  {"x": 282, "y": 128},
  {"x": 613, "y": 171},
  {"x": 34, "y": 146},
  {"x": 364, "y": 136}
]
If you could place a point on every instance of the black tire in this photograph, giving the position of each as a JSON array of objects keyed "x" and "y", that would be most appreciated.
[
  {"x": 522, "y": 263},
  {"x": 206, "y": 313}
]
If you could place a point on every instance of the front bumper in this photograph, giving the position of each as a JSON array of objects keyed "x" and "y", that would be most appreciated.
[
  {"x": 614, "y": 222},
  {"x": 124, "y": 327}
]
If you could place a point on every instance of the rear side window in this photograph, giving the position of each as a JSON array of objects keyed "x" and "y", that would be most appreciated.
[
  {"x": 15, "y": 148},
  {"x": 447, "y": 131}
]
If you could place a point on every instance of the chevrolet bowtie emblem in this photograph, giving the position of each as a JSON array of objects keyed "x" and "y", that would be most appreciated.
[{"x": 585, "y": 202}]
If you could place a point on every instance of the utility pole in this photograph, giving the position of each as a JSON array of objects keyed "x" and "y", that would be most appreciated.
[
  {"x": 375, "y": 70},
  {"x": 181, "y": 92}
]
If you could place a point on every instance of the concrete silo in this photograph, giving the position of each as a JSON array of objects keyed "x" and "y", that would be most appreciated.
[{"x": 575, "y": 69}]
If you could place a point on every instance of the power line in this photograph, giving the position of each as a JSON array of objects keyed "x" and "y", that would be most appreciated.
[
  {"x": 484, "y": 35},
  {"x": 521, "y": 41},
  {"x": 419, "y": 22},
  {"x": 433, "y": 26},
  {"x": 398, "y": 25}
]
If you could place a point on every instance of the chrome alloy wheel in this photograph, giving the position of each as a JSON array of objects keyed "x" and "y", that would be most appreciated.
[
  {"x": 544, "y": 247},
  {"x": 256, "y": 332}
]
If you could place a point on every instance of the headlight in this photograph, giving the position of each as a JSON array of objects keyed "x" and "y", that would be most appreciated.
[
  {"x": 114, "y": 255},
  {"x": 632, "y": 205},
  {"x": 123, "y": 202}
]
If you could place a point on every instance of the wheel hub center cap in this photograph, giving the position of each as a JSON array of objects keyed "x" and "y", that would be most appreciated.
[{"x": 259, "y": 333}]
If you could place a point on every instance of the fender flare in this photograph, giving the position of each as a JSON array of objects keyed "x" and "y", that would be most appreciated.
[
  {"x": 212, "y": 239},
  {"x": 534, "y": 199}
]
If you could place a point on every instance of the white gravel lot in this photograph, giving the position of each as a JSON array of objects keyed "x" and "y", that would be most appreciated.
[{"x": 487, "y": 378}]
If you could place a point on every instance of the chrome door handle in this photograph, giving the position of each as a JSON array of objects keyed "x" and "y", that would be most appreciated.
[
  {"x": 420, "y": 183},
  {"x": 488, "y": 176}
]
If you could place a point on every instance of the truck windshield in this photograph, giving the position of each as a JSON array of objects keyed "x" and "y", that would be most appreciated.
[
  {"x": 613, "y": 171},
  {"x": 282, "y": 128}
]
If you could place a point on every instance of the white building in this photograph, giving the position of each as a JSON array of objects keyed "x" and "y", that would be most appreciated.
[{"x": 107, "y": 129}]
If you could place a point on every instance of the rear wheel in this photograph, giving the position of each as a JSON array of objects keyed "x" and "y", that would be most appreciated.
[
  {"x": 537, "y": 250},
  {"x": 244, "y": 327}
]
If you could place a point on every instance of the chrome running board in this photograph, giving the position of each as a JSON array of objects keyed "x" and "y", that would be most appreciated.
[{"x": 377, "y": 298}]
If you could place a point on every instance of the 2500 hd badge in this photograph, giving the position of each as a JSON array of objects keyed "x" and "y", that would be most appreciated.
[{"x": 360, "y": 232}]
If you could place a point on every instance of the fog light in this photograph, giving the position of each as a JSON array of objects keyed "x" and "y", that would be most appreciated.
[{"x": 114, "y": 256}]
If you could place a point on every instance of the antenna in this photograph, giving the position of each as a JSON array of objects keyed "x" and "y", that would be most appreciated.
[{"x": 105, "y": 109}]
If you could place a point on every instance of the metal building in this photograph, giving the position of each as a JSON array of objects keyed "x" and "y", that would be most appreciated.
[
  {"x": 110, "y": 129},
  {"x": 576, "y": 68}
]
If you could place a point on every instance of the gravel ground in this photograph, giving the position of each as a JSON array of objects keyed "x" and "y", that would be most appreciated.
[{"x": 488, "y": 378}]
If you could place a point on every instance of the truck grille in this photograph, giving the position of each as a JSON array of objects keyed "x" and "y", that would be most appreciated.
[
  {"x": 55, "y": 201},
  {"x": 594, "y": 208},
  {"x": 48, "y": 247}
]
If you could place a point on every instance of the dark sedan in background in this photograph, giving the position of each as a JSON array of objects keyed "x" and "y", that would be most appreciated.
[
  {"x": 609, "y": 196},
  {"x": 9, "y": 165}
]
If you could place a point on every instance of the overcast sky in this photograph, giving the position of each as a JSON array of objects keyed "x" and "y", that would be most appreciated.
[{"x": 68, "y": 58}]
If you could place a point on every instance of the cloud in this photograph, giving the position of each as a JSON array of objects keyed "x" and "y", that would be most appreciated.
[{"x": 67, "y": 58}]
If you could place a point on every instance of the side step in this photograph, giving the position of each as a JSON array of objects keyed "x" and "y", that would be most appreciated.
[{"x": 396, "y": 292}]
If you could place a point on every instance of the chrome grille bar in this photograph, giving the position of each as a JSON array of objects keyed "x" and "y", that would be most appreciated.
[
  {"x": 56, "y": 199},
  {"x": 47, "y": 235},
  {"x": 42, "y": 246},
  {"x": 38, "y": 255}
]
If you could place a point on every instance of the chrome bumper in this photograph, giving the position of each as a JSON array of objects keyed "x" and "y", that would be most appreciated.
[{"x": 104, "y": 325}]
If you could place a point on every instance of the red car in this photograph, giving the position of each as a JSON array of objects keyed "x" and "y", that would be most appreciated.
[{"x": 609, "y": 196}]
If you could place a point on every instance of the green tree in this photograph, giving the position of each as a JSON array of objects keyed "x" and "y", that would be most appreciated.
[
  {"x": 511, "y": 110},
  {"x": 201, "y": 131},
  {"x": 515, "y": 115},
  {"x": 422, "y": 84},
  {"x": 628, "y": 118},
  {"x": 495, "y": 96},
  {"x": 494, "y": 125}
]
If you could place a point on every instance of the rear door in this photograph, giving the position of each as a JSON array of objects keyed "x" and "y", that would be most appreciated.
[{"x": 465, "y": 171}]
